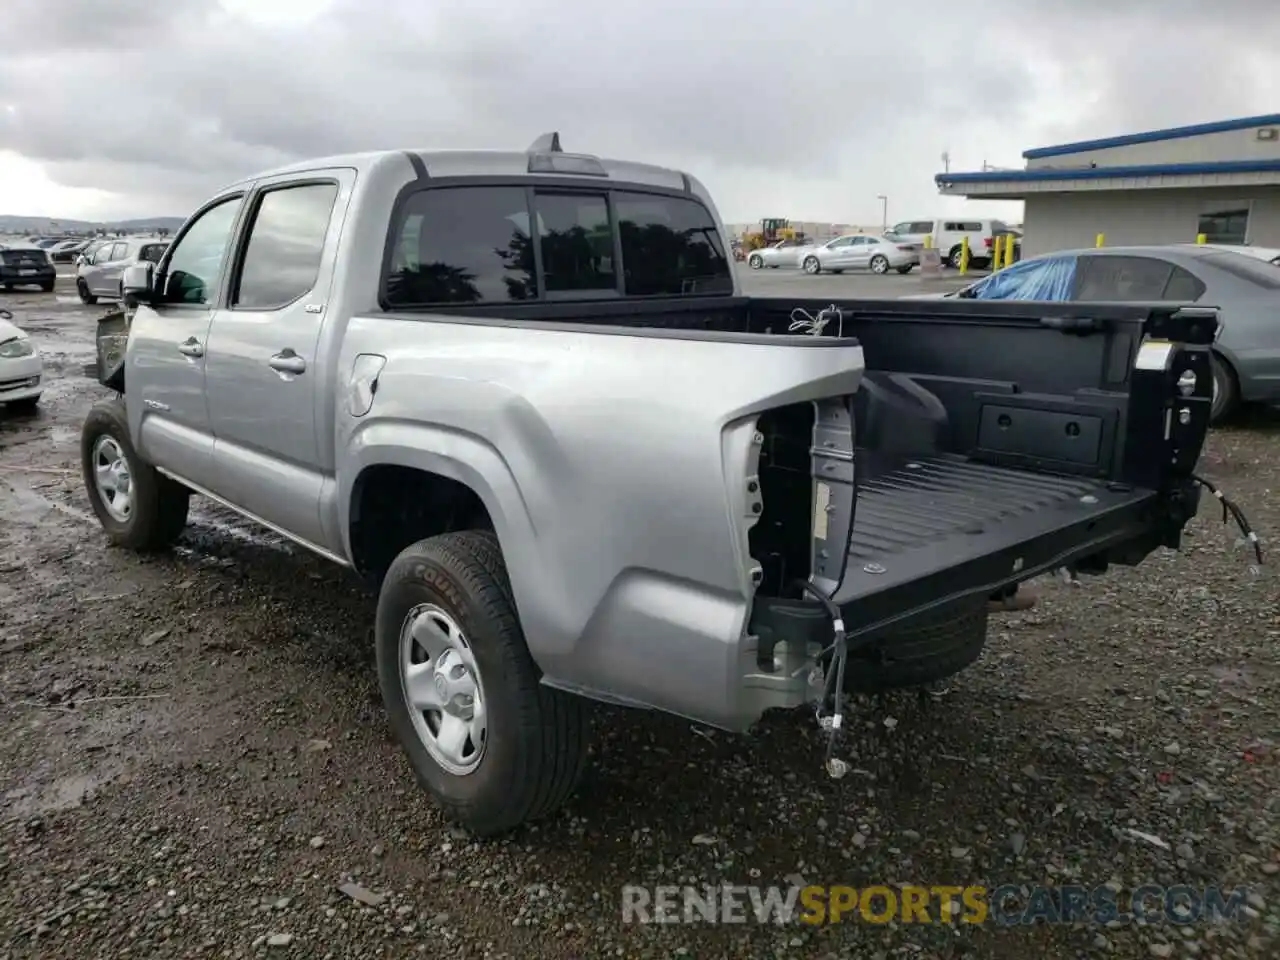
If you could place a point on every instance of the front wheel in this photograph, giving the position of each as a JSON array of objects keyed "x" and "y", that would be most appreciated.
[
  {"x": 879, "y": 264},
  {"x": 47, "y": 287},
  {"x": 812, "y": 266},
  {"x": 492, "y": 745},
  {"x": 82, "y": 290},
  {"x": 138, "y": 507}
]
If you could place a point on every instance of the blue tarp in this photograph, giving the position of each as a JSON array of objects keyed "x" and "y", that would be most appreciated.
[{"x": 1049, "y": 278}]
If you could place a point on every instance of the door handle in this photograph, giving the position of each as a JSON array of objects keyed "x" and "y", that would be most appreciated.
[
  {"x": 191, "y": 347},
  {"x": 286, "y": 361}
]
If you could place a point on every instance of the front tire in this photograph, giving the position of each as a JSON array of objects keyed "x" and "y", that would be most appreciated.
[
  {"x": 812, "y": 266},
  {"x": 492, "y": 745},
  {"x": 82, "y": 290},
  {"x": 138, "y": 507},
  {"x": 47, "y": 287},
  {"x": 879, "y": 264},
  {"x": 25, "y": 405}
]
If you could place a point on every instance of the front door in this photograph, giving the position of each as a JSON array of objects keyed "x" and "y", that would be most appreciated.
[
  {"x": 168, "y": 339},
  {"x": 264, "y": 365}
]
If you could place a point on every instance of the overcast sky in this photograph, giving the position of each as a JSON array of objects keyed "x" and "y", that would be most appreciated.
[{"x": 806, "y": 110}]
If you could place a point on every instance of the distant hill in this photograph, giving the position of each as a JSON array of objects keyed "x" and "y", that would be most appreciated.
[{"x": 45, "y": 225}]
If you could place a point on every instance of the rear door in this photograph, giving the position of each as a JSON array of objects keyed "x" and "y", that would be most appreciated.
[{"x": 263, "y": 373}]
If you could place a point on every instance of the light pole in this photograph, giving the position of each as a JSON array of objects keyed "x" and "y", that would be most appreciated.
[{"x": 884, "y": 212}]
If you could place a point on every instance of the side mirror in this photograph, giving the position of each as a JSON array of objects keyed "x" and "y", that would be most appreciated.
[{"x": 137, "y": 282}]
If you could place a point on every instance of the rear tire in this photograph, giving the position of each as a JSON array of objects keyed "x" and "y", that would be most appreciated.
[
  {"x": 907, "y": 269},
  {"x": 812, "y": 266},
  {"x": 879, "y": 264},
  {"x": 755, "y": 261},
  {"x": 145, "y": 510},
  {"x": 47, "y": 287},
  {"x": 1226, "y": 391},
  {"x": 25, "y": 405},
  {"x": 954, "y": 257},
  {"x": 533, "y": 744},
  {"x": 931, "y": 648}
]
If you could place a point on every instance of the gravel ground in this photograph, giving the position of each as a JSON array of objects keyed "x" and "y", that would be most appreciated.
[{"x": 193, "y": 756}]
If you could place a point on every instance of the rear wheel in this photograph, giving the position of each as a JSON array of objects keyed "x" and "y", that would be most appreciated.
[
  {"x": 492, "y": 745},
  {"x": 955, "y": 256},
  {"x": 25, "y": 405},
  {"x": 879, "y": 264},
  {"x": 1226, "y": 390},
  {"x": 47, "y": 287},
  {"x": 812, "y": 266},
  {"x": 755, "y": 261},
  {"x": 931, "y": 648},
  {"x": 138, "y": 507},
  {"x": 904, "y": 270}
]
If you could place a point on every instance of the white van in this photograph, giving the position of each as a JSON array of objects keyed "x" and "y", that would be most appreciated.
[{"x": 948, "y": 234}]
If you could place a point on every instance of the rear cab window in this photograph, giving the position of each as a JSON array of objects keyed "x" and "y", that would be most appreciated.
[{"x": 458, "y": 245}]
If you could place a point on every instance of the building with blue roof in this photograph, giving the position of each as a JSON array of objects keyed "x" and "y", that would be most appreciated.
[{"x": 1166, "y": 186}]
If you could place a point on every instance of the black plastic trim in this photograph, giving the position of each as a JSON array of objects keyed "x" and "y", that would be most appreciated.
[{"x": 419, "y": 167}]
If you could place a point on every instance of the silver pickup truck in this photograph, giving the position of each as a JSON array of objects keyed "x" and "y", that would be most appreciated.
[{"x": 522, "y": 394}]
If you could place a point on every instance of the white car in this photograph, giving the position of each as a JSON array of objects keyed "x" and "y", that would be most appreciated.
[
  {"x": 861, "y": 251},
  {"x": 21, "y": 369},
  {"x": 783, "y": 253},
  {"x": 948, "y": 235}
]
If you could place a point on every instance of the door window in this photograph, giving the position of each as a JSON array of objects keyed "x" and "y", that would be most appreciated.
[
  {"x": 285, "y": 246},
  {"x": 1183, "y": 286},
  {"x": 195, "y": 266},
  {"x": 119, "y": 251},
  {"x": 1123, "y": 279}
]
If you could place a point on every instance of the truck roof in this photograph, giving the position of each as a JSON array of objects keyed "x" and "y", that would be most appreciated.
[{"x": 490, "y": 163}]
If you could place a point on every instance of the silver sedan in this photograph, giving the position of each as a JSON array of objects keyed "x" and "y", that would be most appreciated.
[
  {"x": 861, "y": 251},
  {"x": 783, "y": 253}
]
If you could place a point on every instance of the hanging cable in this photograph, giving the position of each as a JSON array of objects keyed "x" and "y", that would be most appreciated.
[{"x": 1232, "y": 512}]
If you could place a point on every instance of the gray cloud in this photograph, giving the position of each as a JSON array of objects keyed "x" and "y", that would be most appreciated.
[{"x": 795, "y": 109}]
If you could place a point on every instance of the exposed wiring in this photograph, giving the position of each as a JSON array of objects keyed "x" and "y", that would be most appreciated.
[
  {"x": 1232, "y": 512},
  {"x": 803, "y": 321},
  {"x": 834, "y": 687}
]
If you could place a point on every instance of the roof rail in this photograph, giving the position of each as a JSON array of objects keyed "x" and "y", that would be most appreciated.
[{"x": 547, "y": 143}]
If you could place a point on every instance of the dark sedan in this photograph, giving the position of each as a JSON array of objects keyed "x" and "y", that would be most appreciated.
[
  {"x": 1245, "y": 289},
  {"x": 26, "y": 266}
]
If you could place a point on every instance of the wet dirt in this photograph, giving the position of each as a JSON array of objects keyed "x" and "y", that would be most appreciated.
[{"x": 193, "y": 754}]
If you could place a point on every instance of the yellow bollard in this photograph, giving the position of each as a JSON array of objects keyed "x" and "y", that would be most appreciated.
[
  {"x": 1201, "y": 238},
  {"x": 1101, "y": 239},
  {"x": 928, "y": 241},
  {"x": 997, "y": 250},
  {"x": 1008, "y": 250},
  {"x": 964, "y": 255}
]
